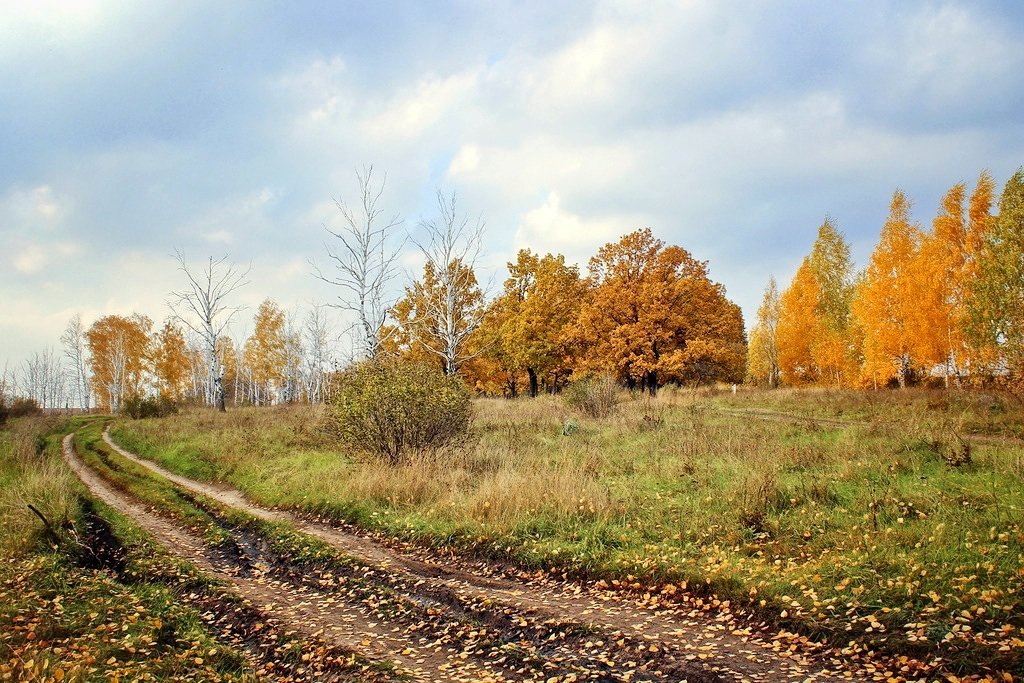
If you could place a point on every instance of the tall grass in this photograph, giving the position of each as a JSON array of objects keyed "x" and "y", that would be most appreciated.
[
  {"x": 32, "y": 473},
  {"x": 867, "y": 530}
]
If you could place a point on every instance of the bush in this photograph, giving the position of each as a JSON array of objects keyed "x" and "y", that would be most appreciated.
[
  {"x": 24, "y": 407},
  {"x": 138, "y": 408},
  {"x": 595, "y": 396},
  {"x": 389, "y": 408}
]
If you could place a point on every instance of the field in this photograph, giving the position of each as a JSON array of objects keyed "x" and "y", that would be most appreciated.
[{"x": 883, "y": 522}]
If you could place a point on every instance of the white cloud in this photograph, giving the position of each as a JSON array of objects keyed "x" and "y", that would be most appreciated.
[
  {"x": 549, "y": 228},
  {"x": 413, "y": 111}
]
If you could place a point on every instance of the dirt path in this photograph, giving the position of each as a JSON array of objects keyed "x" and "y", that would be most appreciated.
[
  {"x": 773, "y": 416},
  {"x": 684, "y": 629}
]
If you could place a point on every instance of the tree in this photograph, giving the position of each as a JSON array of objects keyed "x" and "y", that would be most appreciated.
[
  {"x": 170, "y": 361},
  {"x": 203, "y": 308},
  {"x": 118, "y": 354},
  {"x": 886, "y": 303},
  {"x": 763, "y": 354},
  {"x": 530, "y": 322},
  {"x": 797, "y": 326},
  {"x": 364, "y": 257},
  {"x": 833, "y": 271},
  {"x": 74, "y": 343},
  {"x": 998, "y": 309},
  {"x": 316, "y": 337},
  {"x": 266, "y": 352},
  {"x": 440, "y": 312},
  {"x": 654, "y": 315}
]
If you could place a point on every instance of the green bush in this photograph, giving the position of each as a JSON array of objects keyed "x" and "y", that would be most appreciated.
[
  {"x": 389, "y": 408},
  {"x": 138, "y": 408},
  {"x": 595, "y": 396}
]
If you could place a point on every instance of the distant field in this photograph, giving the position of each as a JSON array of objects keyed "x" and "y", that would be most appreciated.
[{"x": 899, "y": 531}]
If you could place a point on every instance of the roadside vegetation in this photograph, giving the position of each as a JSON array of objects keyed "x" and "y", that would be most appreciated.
[
  {"x": 89, "y": 597},
  {"x": 879, "y": 535}
]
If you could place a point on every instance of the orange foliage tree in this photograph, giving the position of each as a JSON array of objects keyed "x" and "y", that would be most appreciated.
[
  {"x": 654, "y": 315},
  {"x": 265, "y": 353},
  {"x": 797, "y": 326},
  {"x": 529, "y": 324},
  {"x": 171, "y": 363},
  {"x": 119, "y": 355},
  {"x": 887, "y": 303}
]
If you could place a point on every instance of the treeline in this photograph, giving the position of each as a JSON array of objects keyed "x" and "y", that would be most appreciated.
[{"x": 941, "y": 306}]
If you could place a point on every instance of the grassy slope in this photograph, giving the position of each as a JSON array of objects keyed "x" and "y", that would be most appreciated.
[
  {"x": 61, "y": 619},
  {"x": 859, "y": 532}
]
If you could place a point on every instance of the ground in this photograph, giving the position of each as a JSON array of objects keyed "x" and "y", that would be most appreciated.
[{"x": 694, "y": 535}]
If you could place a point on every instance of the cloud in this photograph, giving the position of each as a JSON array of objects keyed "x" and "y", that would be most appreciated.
[{"x": 549, "y": 228}]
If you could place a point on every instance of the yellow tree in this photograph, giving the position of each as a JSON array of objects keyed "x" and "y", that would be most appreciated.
[
  {"x": 998, "y": 307},
  {"x": 438, "y": 317},
  {"x": 653, "y": 315},
  {"x": 118, "y": 354},
  {"x": 831, "y": 348},
  {"x": 265, "y": 352},
  {"x": 886, "y": 303},
  {"x": 230, "y": 363},
  {"x": 171, "y": 365},
  {"x": 797, "y": 327},
  {"x": 532, "y": 318},
  {"x": 763, "y": 350}
]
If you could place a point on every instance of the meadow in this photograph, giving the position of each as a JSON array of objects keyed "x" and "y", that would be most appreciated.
[{"x": 899, "y": 532}]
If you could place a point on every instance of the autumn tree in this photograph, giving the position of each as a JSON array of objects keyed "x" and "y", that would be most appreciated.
[
  {"x": 654, "y": 315},
  {"x": 266, "y": 351},
  {"x": 763, "y": 351},
  {"x": 364, "y": 253},
  {"x": 203, "y": 306},
  {"x": 441, "y": 311},
  {"x": 832, "y": 267},
  {"x": 118, "y": 355},
  {"x": 531, "y": 319},
  {"x": 949, "y": 262},
  {"x": 170, "y": 361},
  {"x": 886, "y": 303},
  {"x": 998, "y": 307},
  {"x": 797, "y": 326}
]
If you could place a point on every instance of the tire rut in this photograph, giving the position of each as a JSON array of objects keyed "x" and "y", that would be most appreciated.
[{"x": 715, "y": 642}]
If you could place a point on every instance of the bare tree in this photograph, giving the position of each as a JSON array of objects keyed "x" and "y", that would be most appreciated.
[
  {"x": 364, "y": 257},
  {"x": 75, "y": 351},
  {"x": 316, "y": 335},
  {"x": 44, "y": 380},
  {"x": 203, "y": 307}
]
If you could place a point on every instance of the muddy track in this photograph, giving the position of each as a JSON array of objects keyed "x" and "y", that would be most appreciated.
[
  {"x": 430, "y": 633},
  {"x": 680, "y": 629},
  {"x": 772, "y": 416}
]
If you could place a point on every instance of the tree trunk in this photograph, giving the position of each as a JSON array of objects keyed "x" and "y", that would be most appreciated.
[
  {"x": 533, "y": 382},
  {"x": 651, "y": 380}
]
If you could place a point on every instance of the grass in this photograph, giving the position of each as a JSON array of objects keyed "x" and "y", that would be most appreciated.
[
  {"x": 864, "y": 534},
  {"x": 101, "y": 603}
]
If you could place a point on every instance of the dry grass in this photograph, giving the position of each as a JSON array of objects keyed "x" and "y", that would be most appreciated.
[
  {"x": 31, "y": 472},
  {"x": 844, "y": 528}
]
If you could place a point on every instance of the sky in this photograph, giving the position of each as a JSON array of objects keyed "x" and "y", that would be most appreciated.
[{"x": 129, "y": 130}]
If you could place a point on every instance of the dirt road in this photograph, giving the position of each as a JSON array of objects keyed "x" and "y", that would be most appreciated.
[{"x": 626, "y": 636}]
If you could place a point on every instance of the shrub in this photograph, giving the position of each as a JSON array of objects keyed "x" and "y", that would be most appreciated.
[
  {"x": 24, "y": 407},
  {"x": 390, "y": 408},
  {"x": 595, "y": 396},
  {"x": 138, "y": 408}
]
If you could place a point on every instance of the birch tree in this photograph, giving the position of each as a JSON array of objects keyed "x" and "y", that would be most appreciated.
[
  {"x": 203, "y": 307},
  {"x": 316, "y": 334},
  {"x": 364, "y": 256},
  {"x": 74, "y": 343},
  {"x": 449, "y": 300}
]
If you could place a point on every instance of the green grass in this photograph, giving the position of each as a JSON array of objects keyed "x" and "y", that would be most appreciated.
[
  {"x": 861, "y": 533},
  {"x": 82, "y": 610}
]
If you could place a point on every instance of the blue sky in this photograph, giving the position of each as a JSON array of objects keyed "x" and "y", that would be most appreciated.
[{"x": 128, "y": 130}]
